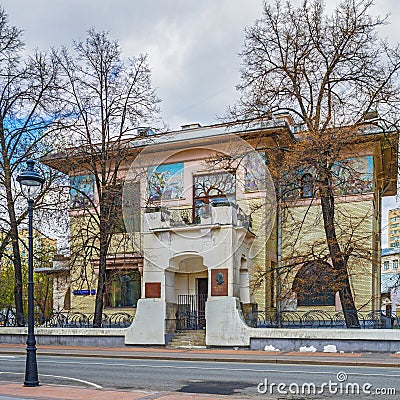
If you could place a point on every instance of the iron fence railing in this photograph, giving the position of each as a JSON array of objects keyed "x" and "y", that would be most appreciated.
[
  {"x": 191, "y": 316},
  {"x": 70, "y": 320},
  {"x": 321, "y": 319}
]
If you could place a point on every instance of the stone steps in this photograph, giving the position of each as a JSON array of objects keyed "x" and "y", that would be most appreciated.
[{"x": 188, "y": 339}]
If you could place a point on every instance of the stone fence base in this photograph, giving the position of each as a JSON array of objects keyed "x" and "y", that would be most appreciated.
[
  {"x": 103, "y": 337},
  {"x": 226, "y": 327}
]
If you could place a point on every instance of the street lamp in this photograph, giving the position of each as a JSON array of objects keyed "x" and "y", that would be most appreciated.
[{"x": 31, "y": 184}]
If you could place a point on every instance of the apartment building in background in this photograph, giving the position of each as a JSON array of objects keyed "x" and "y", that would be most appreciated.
[{"x": 394, "y": 228}]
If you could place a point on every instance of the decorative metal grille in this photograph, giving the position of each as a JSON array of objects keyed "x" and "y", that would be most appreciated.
[
  {"x": 320, "y": 319},
  {"x": 191, "y": 312}
]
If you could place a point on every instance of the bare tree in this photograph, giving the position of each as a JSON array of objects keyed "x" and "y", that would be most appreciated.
[
  {"x": 331, "y": 72},
  {"x": 29, "y": 110},
  {"x": 110, "y": 98}
]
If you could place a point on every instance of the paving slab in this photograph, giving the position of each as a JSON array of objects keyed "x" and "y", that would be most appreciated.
[{"x": 53, "y": 392}]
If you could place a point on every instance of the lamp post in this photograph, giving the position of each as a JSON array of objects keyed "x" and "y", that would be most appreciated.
[{"x": 31, "y": 184}]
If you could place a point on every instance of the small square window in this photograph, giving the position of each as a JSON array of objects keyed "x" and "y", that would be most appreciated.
[{"x": 386, "y": 265}]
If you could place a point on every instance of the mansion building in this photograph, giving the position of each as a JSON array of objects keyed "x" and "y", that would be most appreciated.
[{"x": 206, "y": 230}]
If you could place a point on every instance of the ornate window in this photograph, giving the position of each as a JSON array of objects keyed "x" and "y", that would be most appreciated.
[
  {"x": 313, "y": 284},
  {"x": 213, "y": 189},
  {"x": 112, "y": 202}
]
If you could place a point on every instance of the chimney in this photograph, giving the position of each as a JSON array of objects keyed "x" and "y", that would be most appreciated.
[{"x": 191, "y": 126}]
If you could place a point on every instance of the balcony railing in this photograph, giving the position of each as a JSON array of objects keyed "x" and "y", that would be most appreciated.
[
  {"x": 221, "y": 213},
  {"x": 182, "y": 216}
]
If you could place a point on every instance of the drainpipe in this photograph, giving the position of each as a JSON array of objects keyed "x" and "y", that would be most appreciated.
[{"x": 279, "y": 252}]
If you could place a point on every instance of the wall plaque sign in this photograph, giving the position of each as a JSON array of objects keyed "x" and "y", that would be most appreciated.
[
  {"x": 219, "y": 282},
  {"x": 84, "y": 292},
  {"x": 152, "y": 290}
]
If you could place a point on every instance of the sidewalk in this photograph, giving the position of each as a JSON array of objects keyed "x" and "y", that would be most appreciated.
[
  {"x": 12, "y": 391},
  {"x": 221, "y": 355}
]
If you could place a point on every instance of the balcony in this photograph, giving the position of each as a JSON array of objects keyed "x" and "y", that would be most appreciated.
[{"x": 226, "y": 213}]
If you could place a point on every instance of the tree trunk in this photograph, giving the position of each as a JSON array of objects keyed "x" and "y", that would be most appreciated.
[
  {"x": 99, "y": 304},
  {"x": 339, "y": 260},
  {"x": 101, "y": 282},
  {"x": 19, "y": 307}
]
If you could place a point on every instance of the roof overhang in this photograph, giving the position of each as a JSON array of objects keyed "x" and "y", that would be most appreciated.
[{"x": 67, "y": 160}]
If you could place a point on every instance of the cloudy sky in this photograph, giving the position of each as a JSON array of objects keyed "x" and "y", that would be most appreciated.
[{"x": 193, "y": 45}]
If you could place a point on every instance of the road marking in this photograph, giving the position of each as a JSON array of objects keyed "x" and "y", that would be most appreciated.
[
  {"x": 58, "y": 376},
  {"x": 7, "y": 356},
  {"x": 226, "y": 369}
]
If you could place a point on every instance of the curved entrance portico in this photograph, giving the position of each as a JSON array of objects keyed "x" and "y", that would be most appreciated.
[
  {"x": 187, "y": 265},
  {"x": 190, "y": 290}
]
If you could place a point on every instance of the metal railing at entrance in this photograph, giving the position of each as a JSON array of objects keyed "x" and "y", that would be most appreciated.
[{"x": 190, "y": 314}]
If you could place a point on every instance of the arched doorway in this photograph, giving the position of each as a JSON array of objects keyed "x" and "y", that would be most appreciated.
[{"x": 190, "y": 290}]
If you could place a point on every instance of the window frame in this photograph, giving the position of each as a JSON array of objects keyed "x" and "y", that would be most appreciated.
[
  {"x": 111, "y": 297},
  {"x": 326, "y": 296}
]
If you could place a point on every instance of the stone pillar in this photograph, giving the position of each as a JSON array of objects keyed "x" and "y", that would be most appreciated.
[
  {"x": 225, "y": 323},
  {"x": 148, "y": 326}
]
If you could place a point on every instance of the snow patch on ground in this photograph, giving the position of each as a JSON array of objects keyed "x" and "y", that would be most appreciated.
[
  {"x": 306, "y": 349},
  {"x": 269, "y": 347},
  {"x": 330, "y": 348}
]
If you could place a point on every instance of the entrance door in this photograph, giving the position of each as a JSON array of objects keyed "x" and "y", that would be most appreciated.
[
  {"x": 202, "y": 294},
  {"x": 191, "y": 308}
]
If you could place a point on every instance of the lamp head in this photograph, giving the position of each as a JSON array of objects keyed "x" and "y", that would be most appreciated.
[{"x": 30, "y": 180}]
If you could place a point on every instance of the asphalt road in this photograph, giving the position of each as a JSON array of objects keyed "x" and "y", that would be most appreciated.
[{"x": 244, "y": 380}]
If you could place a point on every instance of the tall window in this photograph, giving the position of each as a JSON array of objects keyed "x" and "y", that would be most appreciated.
[
  {"x": 255, "y": 171},
  {"x": 81, "y": 191},
  {"x": 113, "y": 203},
  {"x": 306, "y": 188},
  {"x": 123, "y": 288},
  {"x": 395, "y": 264},
  {"x": 312, "y": 285}
]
